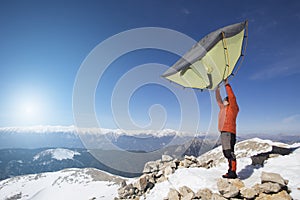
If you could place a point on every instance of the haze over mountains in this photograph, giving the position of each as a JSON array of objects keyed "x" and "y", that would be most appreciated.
[
  {"x": 40, "y": 149},
  {"x": 138, "y": 140}
]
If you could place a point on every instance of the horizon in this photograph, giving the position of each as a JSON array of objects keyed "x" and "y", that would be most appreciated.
[
  {"x": 132, "y": 132},
  {"x": 45, "y": 46}
]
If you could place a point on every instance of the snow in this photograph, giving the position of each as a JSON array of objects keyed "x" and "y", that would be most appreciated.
[
  {"x": 58, "y": 154},
  {"x": 199, "y": 178},
  {"x": 66, "y": 184}
]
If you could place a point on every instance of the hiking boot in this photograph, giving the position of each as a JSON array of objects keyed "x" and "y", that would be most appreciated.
[{"x": 230, "y": 174}]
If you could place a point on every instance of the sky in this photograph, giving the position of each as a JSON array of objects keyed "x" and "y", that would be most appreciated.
[{"x": 44, "y": 44}]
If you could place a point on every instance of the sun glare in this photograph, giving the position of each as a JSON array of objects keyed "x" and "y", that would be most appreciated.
[{"x": 29, "y": 112}]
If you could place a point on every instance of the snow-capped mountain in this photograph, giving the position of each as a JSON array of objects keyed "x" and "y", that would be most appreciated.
[
  {"x": 15, "y": 162},
  {"x": 58, "y": 154},
  {"x": 70, "y": 184},
  {"x": 90, "y": 184}
]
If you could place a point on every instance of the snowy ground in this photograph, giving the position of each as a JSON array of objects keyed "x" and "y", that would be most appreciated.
[
  {"x": 63, "y": 185},
  {"x": 199, "y": 178}
]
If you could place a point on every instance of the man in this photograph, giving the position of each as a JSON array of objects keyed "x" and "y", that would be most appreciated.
[{"x": 227, "y": 126}]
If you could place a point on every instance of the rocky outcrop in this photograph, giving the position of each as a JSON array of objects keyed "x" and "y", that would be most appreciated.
[
  {"x": 154, "y": 172},
  {"x": 272, "y": 186}
]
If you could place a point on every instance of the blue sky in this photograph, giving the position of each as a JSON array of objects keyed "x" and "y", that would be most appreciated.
[{"x": 43, "y": 45}]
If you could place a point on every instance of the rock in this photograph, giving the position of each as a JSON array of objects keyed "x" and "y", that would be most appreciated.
[
  {"x": 151, "y": 179},
  {"x": 159, "y": 174},
  {"x": 187, "y": 197},
  {"x": 204, "y": 194},
  {"x": 269, "y": 187},
  {"x": 191, "y": 158},
  {"x": 193, "y": 165},
  {"x": 186, "y": 163},
  {"x": 272, "y": 177},
  {"x": 248, "y": 193},
  {"x": 227, "y": 189},
  {"x": 174, "y": 164},
  {"x": 259, "y": 159},
  {"x": 215, "y": 196},
  {"x": 150, "y": 167},
  {"x": 123, "y": 183},
  {"x": 263, "y": 196},
  {"x": 166, "y": 158},
  {"x": 173, "y": 194},
  {"x": 273, "y": 155},
  {"x": 237, "y": 183},
  {"x": 141, "y": 183},
  {"x": 161, "y": 179},
  {"x": 126, "y": 191},
  {"x": 206, "y": 164},
  {"x": 186, "y": 193},
  {"x": 283, "y": 195},
  {"x": 256, "y": 188},
  {"x": 150, "y": 185},
  {"x": 168, "y": 170}
]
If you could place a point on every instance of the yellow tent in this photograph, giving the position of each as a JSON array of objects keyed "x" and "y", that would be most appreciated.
[{"x": 211, "y": 60}]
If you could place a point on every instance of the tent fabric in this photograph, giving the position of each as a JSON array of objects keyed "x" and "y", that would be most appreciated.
[{"x": 211, "y": 60}]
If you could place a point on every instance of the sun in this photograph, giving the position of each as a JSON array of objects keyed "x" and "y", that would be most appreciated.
[
  {"x": 30, "y": 107},
  {"x": 30, "y": 112}
]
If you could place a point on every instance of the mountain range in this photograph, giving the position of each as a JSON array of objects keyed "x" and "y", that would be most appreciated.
[
  {"x": 30, "y": 150},
  {"x": 89, "y": 183}
]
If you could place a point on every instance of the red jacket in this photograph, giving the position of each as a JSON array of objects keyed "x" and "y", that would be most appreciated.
[{"x": 227, "y": 114}]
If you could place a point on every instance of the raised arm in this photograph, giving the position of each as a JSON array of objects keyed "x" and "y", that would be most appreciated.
[
  {"x": 219, "y": 98},
  {"x": 231, "y": 96}
]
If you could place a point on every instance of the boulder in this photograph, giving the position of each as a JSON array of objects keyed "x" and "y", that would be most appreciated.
[
  {"x": 283, "y": 195},
  {"x": 269, "y": 187},
  {"x": 186, "y": 193},
  {"x": 227, "y": 189},
  {"x": 166, "y": 158},
  {"x": 141, "y": 183},
  {"x": 248, "y": 193},
  {"x": 150, "y": 167},
  {"x": 272, "y": 177},
  {"x": 204, "y": 194},
  {"x": 173, "y": 194},
  {"x": 237, "y": 183}
]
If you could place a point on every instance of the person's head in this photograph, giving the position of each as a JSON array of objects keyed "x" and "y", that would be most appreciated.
[{"x": 225, "y": 101}]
